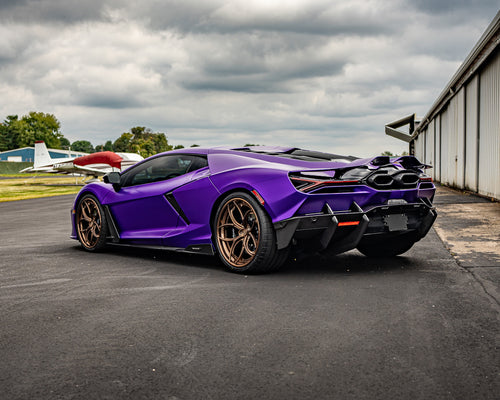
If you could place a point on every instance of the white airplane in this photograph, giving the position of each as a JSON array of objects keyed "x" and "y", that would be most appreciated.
[{"x": 94, "y": 164}]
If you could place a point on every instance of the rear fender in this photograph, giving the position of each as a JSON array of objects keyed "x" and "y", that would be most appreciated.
[{"x": 281, "y": 200}]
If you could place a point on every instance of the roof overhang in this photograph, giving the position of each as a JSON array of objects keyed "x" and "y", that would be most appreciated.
[{"x": 390, "y": 128}]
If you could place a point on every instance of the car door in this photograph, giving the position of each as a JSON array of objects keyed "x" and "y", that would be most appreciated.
[{"x": 141, "y": 207}]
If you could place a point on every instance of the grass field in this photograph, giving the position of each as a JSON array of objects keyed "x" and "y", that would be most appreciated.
[
  {"x": 8, "y": 167},
  {"x": 32, "y": 186}
]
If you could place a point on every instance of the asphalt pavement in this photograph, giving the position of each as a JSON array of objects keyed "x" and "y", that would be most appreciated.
[{"x": 135, "y": 324}]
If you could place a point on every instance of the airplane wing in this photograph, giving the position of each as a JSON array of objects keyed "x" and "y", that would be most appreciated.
[
  {"x": 44, "y": 170},
  {"x": 71, "y": 168}
]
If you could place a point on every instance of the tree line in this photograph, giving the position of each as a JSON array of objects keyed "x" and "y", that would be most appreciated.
[{"x": 18, "y": 132}]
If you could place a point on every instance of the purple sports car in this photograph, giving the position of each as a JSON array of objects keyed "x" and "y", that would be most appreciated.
[{"x": 252, "y": 206}]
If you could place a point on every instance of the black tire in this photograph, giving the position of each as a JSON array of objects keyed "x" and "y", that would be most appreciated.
[
  {"x": 244, "y": 236},
  {"x": 387, "y": 247},
  {"x": 91, "y": 224}
]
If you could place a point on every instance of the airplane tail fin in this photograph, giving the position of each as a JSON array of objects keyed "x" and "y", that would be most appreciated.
[{"x": 42, "y": 156}]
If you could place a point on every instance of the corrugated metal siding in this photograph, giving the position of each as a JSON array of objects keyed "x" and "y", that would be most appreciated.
[
  {"x": 458, "y": 132},
  {"x": 421, "y": 157},
  {"x": 429, "y": 148},
  {"x": 489, "y": 129},
  {"x": 437, "y": 142},
  {"x": 419, "y": 146},
  {"x": 471, "y": 112},
  {"x": 452, "y": 141},
  {"x": 445, "y": 145},
  {"x": 451, "y": 134}
]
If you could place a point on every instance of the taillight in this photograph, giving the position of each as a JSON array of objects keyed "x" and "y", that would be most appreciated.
[
  {"x": 425, "y": 182},
  {"x": 308, "y": 184}
]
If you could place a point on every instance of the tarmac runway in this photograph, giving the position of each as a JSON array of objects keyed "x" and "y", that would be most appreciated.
[{"x": 135, "y": 324}]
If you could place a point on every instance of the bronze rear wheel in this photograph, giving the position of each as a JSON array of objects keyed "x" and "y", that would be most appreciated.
[
  {"x": 238, "y": 232},
  {"x": 244, "y": 235}
]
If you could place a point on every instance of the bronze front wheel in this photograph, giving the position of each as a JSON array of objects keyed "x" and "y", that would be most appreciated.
[{"x": 90, "y": 223}]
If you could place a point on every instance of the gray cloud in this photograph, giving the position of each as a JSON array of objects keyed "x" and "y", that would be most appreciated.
[
  {"x": 51, "y": 11},
  {"x": 314, "y": 73},
  {"x": 466, "y": 7},
  {"x": 228, "y": 17}
]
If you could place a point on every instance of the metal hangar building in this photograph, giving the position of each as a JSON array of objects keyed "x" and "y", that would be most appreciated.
[
  {"x": 27, "y": 154},
  {"x": 460, "y": 134}
]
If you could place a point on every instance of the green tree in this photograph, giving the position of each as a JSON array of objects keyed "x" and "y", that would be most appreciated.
[
  {"x": 39, "y": 126},
  {"x": 9, "y": 133},
  {"x": 122, "y": 144},
  {"x": 108, "y": 146},
  {"x": 143, "y": 141},
  {"x": 23, "y": 132},
  {"x": 82, "y": 145},
  {"x": 160, "y": 142},
  {"x": 65, "y": 144},
  {"x": 4, "y": 138}
]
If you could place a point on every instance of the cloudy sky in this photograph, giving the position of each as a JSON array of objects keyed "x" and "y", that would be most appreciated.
[{"x": 315, "y": 74}]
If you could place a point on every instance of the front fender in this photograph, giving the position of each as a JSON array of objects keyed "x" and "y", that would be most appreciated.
[{"x": 99, "y": 190}]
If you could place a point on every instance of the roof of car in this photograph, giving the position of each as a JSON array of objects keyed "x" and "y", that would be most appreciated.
[{"x": 281, "y": 152}]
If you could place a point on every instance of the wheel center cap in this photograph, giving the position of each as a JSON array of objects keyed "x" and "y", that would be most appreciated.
[{"x": 244, "y": 232}]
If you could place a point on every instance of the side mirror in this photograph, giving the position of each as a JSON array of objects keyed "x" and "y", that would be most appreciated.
[{"x": 114, "y": 178}]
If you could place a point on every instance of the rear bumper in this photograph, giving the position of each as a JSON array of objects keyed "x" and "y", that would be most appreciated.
[{"x": 342, "y": 231}]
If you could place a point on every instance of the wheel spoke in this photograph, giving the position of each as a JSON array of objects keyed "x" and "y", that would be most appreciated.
[
  {"x": 224, "y": 239},
  {"x": 226, "y": 226},
  {"x": 238, "y": 259},
  {"x": 249, "y": 223},
  {"x": 87, "y": 229},
  {"x": 233, "y": 218},
  {"x": 96, "y": 230},
  {"x": 85, "y": 216},
  {"x": 233, "y": 246},
  {"x": 246, "y": 243}
]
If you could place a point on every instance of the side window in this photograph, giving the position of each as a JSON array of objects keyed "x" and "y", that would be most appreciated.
[
  {"x": 197, "y": 162},
  {"x": 163, "y": 168}
]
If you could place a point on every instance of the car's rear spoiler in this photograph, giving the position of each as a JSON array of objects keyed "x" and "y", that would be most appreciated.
[
  {"x": 406, "y": 162},
  {"x": 409, "y": 162}
]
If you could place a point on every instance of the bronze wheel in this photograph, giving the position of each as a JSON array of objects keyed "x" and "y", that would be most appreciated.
[
  {"x": 244, "y": 236},
  {"x": 238, "y": 232},
  {"x": 90, "y": 223}
]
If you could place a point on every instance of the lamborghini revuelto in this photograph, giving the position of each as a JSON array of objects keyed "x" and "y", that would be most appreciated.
[{"x": 252, "y": 206}]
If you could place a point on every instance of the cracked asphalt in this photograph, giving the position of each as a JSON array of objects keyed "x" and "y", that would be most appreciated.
[
  {"x": 469, "y": 226},
  {"x": 130, "y": 324}
]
